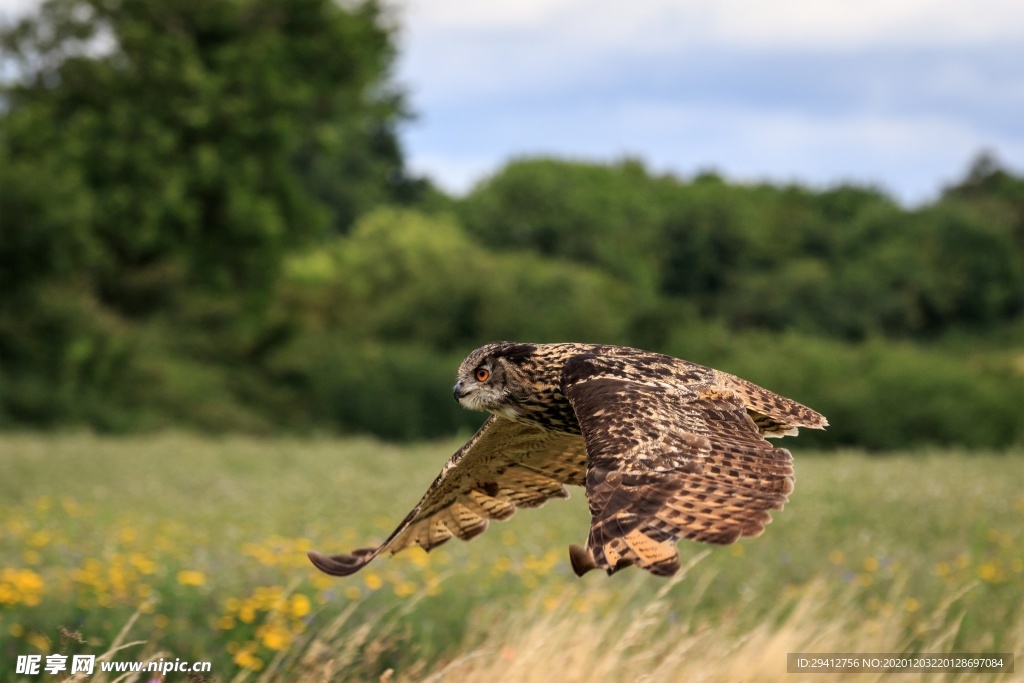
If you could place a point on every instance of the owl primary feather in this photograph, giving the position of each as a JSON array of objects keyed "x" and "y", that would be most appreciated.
[{"x": 666, "y": 449}]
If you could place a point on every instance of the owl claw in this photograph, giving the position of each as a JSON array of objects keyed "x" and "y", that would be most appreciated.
[{"x": 581, "y": 559}]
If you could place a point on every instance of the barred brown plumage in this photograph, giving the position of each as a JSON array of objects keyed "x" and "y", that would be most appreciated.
[{"x": 667, "y": 449}]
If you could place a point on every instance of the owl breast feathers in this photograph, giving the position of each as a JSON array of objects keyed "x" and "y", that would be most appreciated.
[{"x": 666, "y": 449}]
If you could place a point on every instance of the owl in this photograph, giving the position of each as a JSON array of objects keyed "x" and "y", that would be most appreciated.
[{"x": 666, "y": 449}]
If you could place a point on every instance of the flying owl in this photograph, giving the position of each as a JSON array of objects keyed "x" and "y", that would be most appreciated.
[{"x": 666, "y": 449}]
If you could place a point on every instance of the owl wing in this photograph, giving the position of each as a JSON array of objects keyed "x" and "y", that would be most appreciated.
[
  {"x": 674, "y": 453},
  {"x": 504, "y": 466}
]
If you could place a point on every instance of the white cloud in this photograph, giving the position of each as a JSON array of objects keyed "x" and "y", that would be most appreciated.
[
  {"x": 457, "y": 49},
  {"x": 9, "y": 8},
  {"x": 858, "y": 24},
  {"x": 782, "y": 24},
  {"x": 900, "y": 92}
]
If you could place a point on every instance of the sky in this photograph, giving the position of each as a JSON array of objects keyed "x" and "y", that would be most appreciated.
[{"x": 899, "y": 94}]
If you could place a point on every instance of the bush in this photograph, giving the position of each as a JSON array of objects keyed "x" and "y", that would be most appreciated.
[
  {"x": 392, "y": 391},
  {"x": 877, "y": 394}
]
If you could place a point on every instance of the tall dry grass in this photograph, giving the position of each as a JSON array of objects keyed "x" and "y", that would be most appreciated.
[{"x": 548, "y": 640}]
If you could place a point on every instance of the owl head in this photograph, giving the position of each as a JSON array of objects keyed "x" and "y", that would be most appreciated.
[{"x": 495, "y": 378}]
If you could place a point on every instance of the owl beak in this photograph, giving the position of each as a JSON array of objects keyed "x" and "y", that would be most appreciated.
[{"x": 458, "y": 392}]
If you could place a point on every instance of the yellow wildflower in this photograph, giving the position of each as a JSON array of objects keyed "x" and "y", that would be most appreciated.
[
  {"x": 20, "y": 585},
  {"x": 247, "y": 613},
  {"x": 191, "y": 577},
  {"x": 40, "y": 538},
  {"x": 300, "y": 606},
  {"x": 39, "y": 641},
  {"x": 501, "y": 565},
  {"x": 247, "y": 660},
  {"x": 404, "y": 588},
  {"x": 142, "y": 564},
  {"x": 274, "y": 636},
  {"x": 420, "y": 558}
]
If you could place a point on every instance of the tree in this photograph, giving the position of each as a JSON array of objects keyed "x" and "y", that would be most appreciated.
[
  {"x": 203, "y": 134},
  {"x": 158, "y": 160},
  {"x": 994, "y": 191},
  {"x": 600, "y": 215}
]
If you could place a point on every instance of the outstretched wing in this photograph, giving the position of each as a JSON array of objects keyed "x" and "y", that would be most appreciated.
[
  {"x": 506, "y": 465},
  {"x": 673, "y": 454}
]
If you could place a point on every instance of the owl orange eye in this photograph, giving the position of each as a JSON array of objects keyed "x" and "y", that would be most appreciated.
[{"x": 482, "y": 374}]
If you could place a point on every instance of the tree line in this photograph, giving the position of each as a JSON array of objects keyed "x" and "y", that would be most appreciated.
[{"x": 206, "y": 222}]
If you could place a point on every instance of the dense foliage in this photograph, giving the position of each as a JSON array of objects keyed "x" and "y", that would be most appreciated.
[{"x": 206, "y": 221}]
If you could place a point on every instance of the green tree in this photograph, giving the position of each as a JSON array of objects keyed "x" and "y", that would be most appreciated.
[
  {"x": 201, "y": 133},
  {"x": 705, "y": 241},
  {"x": 400, "y": 275},
  {"x": 602, "y": 215},
  {"x": 158, "y": 160}
]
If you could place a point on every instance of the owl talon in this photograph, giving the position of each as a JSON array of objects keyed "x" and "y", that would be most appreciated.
[{"x": 582, "y": 561}]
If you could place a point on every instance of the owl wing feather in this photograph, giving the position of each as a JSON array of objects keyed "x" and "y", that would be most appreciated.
[
  {"x": 674, "y": 453},
  {"x": 506, "y": 465}
]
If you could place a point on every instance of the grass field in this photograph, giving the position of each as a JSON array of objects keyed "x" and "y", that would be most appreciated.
[{"x": 197, "y": 546}]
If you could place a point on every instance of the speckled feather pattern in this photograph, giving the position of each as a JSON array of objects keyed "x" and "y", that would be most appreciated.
[{"x": 667, "y": 449}]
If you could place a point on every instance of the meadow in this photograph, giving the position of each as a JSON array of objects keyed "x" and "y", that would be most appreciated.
[{"x": 180, "y": 546}]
